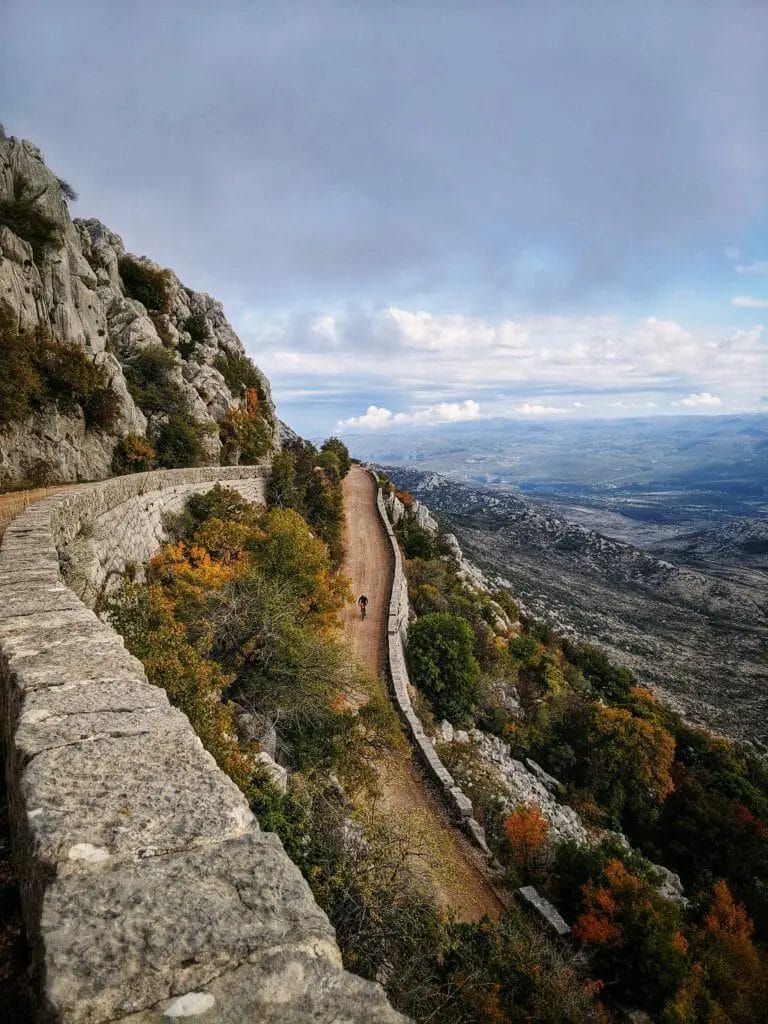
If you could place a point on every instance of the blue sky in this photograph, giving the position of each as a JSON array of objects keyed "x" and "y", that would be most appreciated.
[{"x": 432, "y": 212}]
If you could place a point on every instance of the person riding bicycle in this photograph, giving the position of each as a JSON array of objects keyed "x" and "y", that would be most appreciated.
[{"x": 362, "y": 604}]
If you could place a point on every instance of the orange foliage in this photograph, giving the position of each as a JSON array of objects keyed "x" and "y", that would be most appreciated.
[
  {"x": 526, "y": 828},
  {"x": 648, "y": 746},
  {"x": 728, "y": 920},
  {"x": 251, "y": 401},
  {"x": 405, "y": 497},
  {"x": 597, "y": 931}
]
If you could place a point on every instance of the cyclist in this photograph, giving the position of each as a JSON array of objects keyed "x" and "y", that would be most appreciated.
[{"x": 362, "y": 604}]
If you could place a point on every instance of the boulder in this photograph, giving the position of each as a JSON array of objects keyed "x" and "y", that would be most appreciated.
[{"x": 278, "y": 775}]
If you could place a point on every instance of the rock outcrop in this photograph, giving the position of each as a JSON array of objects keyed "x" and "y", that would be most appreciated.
[{"x": 69, "y": 283}]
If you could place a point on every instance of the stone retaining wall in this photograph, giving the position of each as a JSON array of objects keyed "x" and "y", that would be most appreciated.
[
  {"x": 148, "y": 889},
  {"x": 457, "y": 800}
]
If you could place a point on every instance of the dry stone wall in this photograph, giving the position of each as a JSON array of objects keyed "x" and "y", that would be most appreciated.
[
  {"x": 399, "y": 611},
  {"x": 149, "y": 891}
]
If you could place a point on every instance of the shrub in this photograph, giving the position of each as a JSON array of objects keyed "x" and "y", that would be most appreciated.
[
  {"x": 149, "y": 380},
  {"x": 246, "y": 437},
  {"x": 442, "y": 664},
  {"x": 148, "y": 285},
  {"x": 337, "y": 446},
  {"x": 526, "y": 830},
  {"x": 21, "y": 214},
  {"x": 219, "y": 503},
  {"x": 72, "y": 379},
  {"x": 35, "y": 369},
  {"x": 180, "y": 442},
  {"x": 21, "y": 386},
  {"x": 282, "y": 488},
  {"x": 238, "y": 372},
  {"x": 196, "y": 327},
  {"x": 133, "y": 454},
  {"x": 416, "y": 540},
  {"x": 67, "y": 191}
]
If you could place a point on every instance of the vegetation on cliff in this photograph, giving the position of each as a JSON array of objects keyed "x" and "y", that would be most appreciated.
[
  {"x": 37, "y": 371},
  {"x": 683, "y": 797}
]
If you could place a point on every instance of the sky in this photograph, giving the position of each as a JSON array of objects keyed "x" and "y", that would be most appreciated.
[{"x": 427, "y": 212}]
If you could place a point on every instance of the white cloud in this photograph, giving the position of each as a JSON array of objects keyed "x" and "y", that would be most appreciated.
[
  {"x": 375, "y": 417},
  {"x": 703, "y": 400},
  {"x": 731, "y": 252},
  {"x": 432, "y": 362},
  {"x": 534, "y": 409},
  {"x": 749, "y": 302},
  {"x": 758, "y": 267}
]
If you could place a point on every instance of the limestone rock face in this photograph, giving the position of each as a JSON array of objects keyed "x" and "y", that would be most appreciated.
[{"x": 73, "y": 288}]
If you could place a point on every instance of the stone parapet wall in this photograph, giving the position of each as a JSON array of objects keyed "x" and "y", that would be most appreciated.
[
  {"x": 148, "y": 889},
  {"x": 399, "y": 611}
]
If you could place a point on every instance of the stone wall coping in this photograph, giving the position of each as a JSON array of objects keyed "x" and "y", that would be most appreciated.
[{"x": 147, "y": 885}]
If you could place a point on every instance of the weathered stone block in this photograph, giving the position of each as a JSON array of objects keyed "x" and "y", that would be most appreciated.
[{"x": 150, "y": 930}]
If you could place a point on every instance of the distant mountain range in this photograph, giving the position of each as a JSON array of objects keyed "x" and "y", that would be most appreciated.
[{"x": 696, "y": 634}]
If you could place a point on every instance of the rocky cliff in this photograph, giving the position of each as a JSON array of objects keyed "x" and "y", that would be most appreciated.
[{"x": 72, "y": 284}]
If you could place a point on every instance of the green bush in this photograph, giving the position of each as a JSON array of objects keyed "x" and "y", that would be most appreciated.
[
  {"x": 21, "y": 214},
  {"x": 179, "y": 442},
  {"x": 133, "y": 454},
  {"x": 67, "y": 191},
  {"x": 416, "y": 541},
  {"x": 148, "y": 285},
  {"x": 21, "y": 386},
  {"x": 238, "y": 372},
  {"x": 35, "y": 370},
  {"x": 72, "y": 379},
  {"x": 337, "y": 446},
  {"x": 219, "y": 503},
  {"x": 196, "y": 327},
  {"x": 149, "y": 380},
  {"x": 442, "y": 664}
]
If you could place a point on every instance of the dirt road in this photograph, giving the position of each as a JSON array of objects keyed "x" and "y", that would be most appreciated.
[{"x": 447, "y": 860}]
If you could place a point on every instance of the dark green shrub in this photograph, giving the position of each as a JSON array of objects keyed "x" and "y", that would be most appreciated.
[
  {"x": 35, "y": 370},
  {"x": 337, "y": 446},
  {"x": 148, "y": 285},
  {"x": 239, "y": 373},
  {"x": 219, "y": 503},
  {"x": 179, "y": 442},
  {"x": 149, "y": 380},
  {"x": 416, "y": 541},
  {"x": 245, "y": 435},
  {"x": 282, "y": 489},
  {"x": 67, "y": 191},
  {"x": 133, "y": 454},
  {"x": 72, "y": 379},
  {"x": 21, "y": 386},
  {"x": 196, "y": 327},
  {"x": 21, "y": 214},
  {"x": 443, "y": 665}
]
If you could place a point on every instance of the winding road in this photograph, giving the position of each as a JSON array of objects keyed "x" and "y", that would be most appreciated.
[{"x": 446, "y": 859}]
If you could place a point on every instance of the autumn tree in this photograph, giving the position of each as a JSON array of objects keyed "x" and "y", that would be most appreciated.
[{"x": 526, "y": 830}]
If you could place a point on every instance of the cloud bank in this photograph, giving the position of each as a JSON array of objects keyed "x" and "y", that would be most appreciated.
[{"x": 375, "y": 418}]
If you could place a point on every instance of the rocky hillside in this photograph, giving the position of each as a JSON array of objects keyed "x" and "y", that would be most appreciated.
[
  {"x": 698, "y": 638},
  {"x": 99, "y": 346}
]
